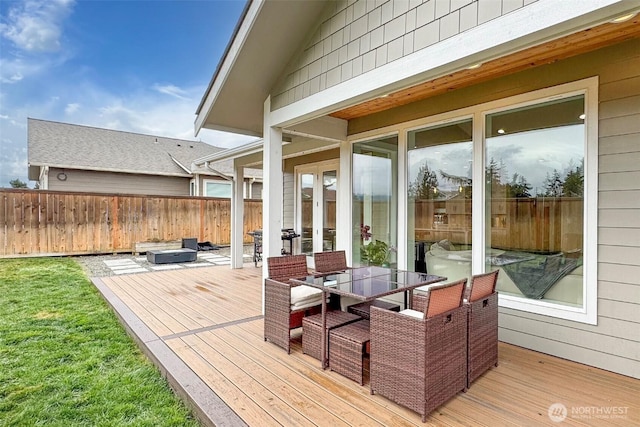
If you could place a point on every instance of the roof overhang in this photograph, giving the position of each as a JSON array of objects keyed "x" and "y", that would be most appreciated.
[
  {"x": 502, "y": 37},
  {"x": 267, "y": 37},
  {"x": 271, "y": 32}
]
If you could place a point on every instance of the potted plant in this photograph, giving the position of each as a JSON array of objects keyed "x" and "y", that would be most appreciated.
[{"x": 375, "y": 253}]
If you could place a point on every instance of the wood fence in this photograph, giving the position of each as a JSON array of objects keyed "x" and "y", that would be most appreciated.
[
  {"x": 525, "y": 224},
  {"x": 35, "y": 222}
]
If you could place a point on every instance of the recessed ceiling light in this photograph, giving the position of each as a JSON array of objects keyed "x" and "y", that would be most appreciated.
[
  {"x": 624, "y": 18},
  {"x": 385, "y": 95},
  {"x": 500, "y": 131},
  {"x": 474, "y": 66},
  {"x": 582, "y": 116}
]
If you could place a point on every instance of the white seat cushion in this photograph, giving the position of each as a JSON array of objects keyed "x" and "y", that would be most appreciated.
[
  {"x": 305, "y": 296},
  {"x": 413, "y": 313},
  {"x": 345, "y": 302}
]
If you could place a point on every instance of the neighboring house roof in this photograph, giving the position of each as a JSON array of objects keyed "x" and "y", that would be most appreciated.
[{"x": 71, "y": 146}]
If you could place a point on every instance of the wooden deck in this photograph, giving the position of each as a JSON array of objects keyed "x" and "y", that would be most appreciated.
[{"x": 211, "y": 318}]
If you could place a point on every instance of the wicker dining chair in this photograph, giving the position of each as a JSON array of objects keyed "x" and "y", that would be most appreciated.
[
  {"x": 285, "y": 303},
  {"x": 419, "y": 359},
  {"x": 330, "y": 261},
  {"x": 287, "y": 267},
  {"x": 482, "y": 334}
]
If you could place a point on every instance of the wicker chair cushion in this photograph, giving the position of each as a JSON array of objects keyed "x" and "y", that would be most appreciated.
[
  {"x": 305, "y": 296},
  {"x": 413, "y": 313}
]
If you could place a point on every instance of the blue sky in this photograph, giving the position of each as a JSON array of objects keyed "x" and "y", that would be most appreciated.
[{"x": 139, "y": 66}]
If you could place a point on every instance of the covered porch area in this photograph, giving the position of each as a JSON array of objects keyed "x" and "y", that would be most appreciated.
[{"x": 203, "y": 328}]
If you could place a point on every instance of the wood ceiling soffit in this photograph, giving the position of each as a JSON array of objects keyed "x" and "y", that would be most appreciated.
[{"x": 546, "y": 53}]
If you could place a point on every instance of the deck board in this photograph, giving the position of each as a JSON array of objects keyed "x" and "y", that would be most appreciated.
[{"x": 211, "y": 318}]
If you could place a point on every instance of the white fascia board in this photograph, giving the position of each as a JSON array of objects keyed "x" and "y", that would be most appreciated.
[
  {"x": 232, "y": 153},
  {"x": 530, "y": 25},
  {"x": 228, "y": 62}
]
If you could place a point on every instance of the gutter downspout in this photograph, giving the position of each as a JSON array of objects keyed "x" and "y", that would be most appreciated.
[{"x": 223, "y": 176}]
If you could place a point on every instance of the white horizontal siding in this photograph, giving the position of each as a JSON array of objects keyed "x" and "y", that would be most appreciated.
[
  {"x": 625, "y": 199},
  {"x": 581, "y": 353},
  {"x": 619, "y": 236},
  {"x": 619, "y": 255}
]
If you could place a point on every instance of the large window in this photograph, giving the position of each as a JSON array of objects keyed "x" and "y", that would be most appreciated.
[
  {"x": 508, "y": 185},
  {"x": 439, "y": 164},
  {"x": 375, "y": 201},
  {"x": 534, "y": 176}
]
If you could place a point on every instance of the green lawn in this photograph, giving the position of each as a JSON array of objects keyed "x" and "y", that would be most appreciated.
[{"x": 64, "y": 358}]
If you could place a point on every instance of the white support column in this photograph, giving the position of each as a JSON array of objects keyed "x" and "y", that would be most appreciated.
[
  {"x": 478, "y": 225},
  {"x": 344, "y": 222},
  {"x": 237, "y": 216},
  {"x": 403, "y": 259},
  {"x": 272, "y": 189}
]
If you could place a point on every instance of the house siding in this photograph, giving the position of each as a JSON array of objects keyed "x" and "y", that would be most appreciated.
[
  {"x": 121, "y": 183},
  {"x": 614, "y": 343},
  {"x": 356, "y": 37}
]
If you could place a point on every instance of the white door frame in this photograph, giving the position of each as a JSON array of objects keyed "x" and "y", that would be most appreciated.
[{"x": 317, "y": 170}]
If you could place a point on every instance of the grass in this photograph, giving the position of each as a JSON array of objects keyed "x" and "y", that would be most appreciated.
[{"x": 66, "y": 361}]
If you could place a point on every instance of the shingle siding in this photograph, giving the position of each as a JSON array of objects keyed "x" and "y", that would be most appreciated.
[{"x": 360, "y": 36}]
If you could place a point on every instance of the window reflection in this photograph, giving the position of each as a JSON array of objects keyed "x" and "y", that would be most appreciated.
[
  {"x": 375, "y": 201},
  {"x": 439, "y": 180},
  {"x": 535, "y": 199}
]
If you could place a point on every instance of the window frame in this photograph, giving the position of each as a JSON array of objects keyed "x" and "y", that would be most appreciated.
[
  {"x": 215, "y": 181},
  {"x": 589, "y": 89}
]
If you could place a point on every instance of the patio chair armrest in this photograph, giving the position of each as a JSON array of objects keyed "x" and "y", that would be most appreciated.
[{"x": 277, "y": 296}]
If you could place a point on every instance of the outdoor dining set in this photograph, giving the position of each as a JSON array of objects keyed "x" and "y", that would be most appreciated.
[{"x": 444, "y": 337}]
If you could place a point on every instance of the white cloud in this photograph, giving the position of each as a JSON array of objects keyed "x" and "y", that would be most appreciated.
[
  {"x": 36, "y": 26},
  {"x": 71, "y": 108},
  {"x": 31, "y": 38},
  {"x": 171, "y": 90}
]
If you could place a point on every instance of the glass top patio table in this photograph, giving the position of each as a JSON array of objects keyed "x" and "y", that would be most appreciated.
[{"x": 366, "y": 284}]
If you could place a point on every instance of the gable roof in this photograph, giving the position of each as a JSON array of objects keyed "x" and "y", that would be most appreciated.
[
  {"x": 267, "y": 36},
  {"x": 71, "y": 146}
]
